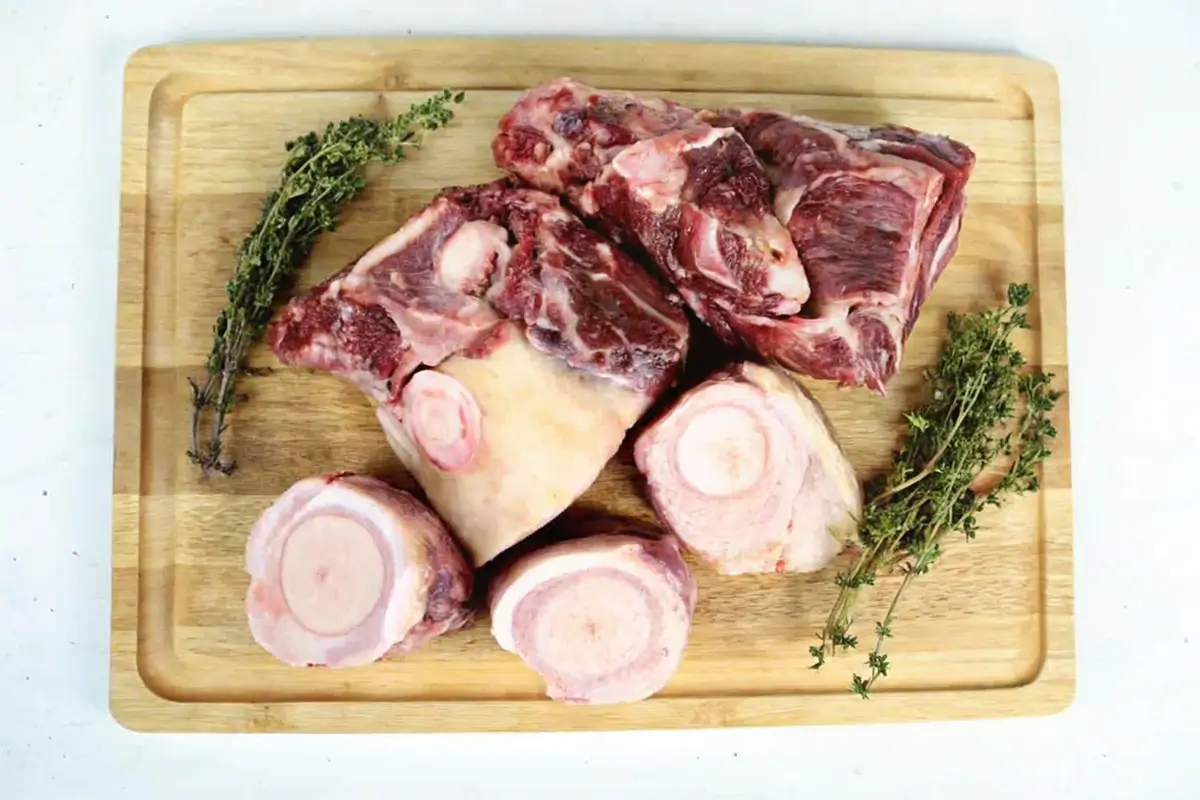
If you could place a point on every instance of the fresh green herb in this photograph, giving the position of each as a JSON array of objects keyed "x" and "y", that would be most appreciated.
[
  {"x": 969, "y": 422},
  {"x": 321, "y": 174}
]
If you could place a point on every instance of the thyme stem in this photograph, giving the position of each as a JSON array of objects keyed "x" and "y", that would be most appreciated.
[{"x": 969, "y": 422}]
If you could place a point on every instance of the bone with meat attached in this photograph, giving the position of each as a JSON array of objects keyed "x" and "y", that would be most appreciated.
[
  {"x": 507, "y": 349},
  {"x": 503, "y": 443},
  {"x": 602, "y": 618},
  {"x": 875, "y": 212},
  {"x": 650, "y": 172},
  {"x": 813, "y": 243},
  {"x": 746, "y": 470},
  {"x": 345, "y": 568}
]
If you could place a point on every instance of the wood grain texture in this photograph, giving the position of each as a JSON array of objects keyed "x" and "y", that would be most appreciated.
[{"x": 988, "y": 633}]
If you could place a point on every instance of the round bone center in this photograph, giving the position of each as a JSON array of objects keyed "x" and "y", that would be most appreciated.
[
  {"x": 722, "y": 451},
  {"x": 331, "y": 574},
  {"x": 593, "y": 626}
]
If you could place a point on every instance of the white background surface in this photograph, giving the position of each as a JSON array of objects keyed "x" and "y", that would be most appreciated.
[{"x": 1130, "y": 80}]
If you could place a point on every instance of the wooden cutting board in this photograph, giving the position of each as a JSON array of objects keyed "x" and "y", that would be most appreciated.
[{"x": 988, "y": 632}]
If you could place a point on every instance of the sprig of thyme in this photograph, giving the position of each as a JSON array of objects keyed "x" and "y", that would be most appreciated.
[
  {"x": 321, "y": 174},
  {"x": 969, "y": 422}
]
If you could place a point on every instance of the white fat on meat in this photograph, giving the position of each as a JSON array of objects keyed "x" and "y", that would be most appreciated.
[
  {"x": 344, "y": 568},
  {"x": 746, "y": 470},
  {"x": 602, "y": 619},
  {"x": 656, "y": 170},
  {"x": 502, "y": 442}
]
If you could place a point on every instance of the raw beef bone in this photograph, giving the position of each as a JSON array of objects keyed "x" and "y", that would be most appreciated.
[
  {"x": 691, "y": 196},
  {"x": 872, "y": 215},
  {"x": 602, "y": 618},
  {"x": 745, "y": 469},
  {"x": 507, "y": 348},
  {"x": 875, "y": 213},
  {"x": 345, "y": 568}
]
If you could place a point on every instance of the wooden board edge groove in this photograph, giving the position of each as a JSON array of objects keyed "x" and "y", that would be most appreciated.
[{"x": 168, "y": 74}]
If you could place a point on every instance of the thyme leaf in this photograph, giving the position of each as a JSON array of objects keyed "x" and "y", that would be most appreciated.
[{"x": 968, "y": 424}]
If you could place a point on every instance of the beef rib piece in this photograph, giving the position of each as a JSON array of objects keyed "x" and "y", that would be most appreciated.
[
  {"x": 745, "y": 469},
  {"x": 602, "y": 618},
  {"x": 691, "y": 196},
  {"x": 345, "y": 568},
  {"x": 507, "y": 349},
  {"x": 875, "y": 213},
  {"x": 872, "y": 215}
]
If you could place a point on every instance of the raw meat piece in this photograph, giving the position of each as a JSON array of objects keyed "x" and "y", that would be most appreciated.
[
  {"x": 690, "y": 195},
  {"x": 578, "y": 297},
  {"x": 603, "y": 618},
  {"x": 506, "y": 346},
  {"x": 399, "y": 306},
  {"x": 345, "y": 568},
  {"x": 745, "y": 469},
  {"x": 560, "y": 135},
  {"x": 875, "y": 213},
  {"x": 697, "y": 201}
]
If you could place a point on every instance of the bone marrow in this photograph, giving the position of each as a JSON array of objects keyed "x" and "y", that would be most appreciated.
[
  {"x": 745, "y": 469},
  {"x": 345, "y": 568},
  {"x": 442, "y": 417},
  {"x": 604, "y": 618}
]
